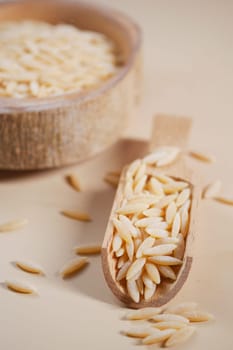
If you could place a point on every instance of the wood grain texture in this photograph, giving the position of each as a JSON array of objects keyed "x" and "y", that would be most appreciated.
[
  {"x": 51, "y": 132},
  {"x": 178, "y": 129}
]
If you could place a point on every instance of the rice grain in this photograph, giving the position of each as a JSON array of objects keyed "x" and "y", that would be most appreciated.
[
  {"x": 147, "y": 243},
  {"x": 163, "y": 249},
  {"x": 13, "y": 225},
  {"x": 204, "y": 157},
  {"x": 88, "y": 250},
  {"x": 20, "y": 287},
  {"x": 73, "y": 181},
  {"x": 197, "y": 316},
  {"x": 153, "y": 272},
  {"x": 158, "y": 336},
  {"x": 167, "y": 272},
  {"x": 136, "y": 267},
  {"x": 224, "y": 200},
  {"x": 72, "y": 267},
  {"x": 174, "y": 324},
  {"x": 76, "y": 215},
  {"x": 169, "y": 317},
  {"x": 176, "y": 225},
  {"x": 123, "y": 271},
  {"x": 149, "y": 292},
  {"x": 170, "y": 212},
  {"x": 116, "y": 242},
  {"x": 143, "y": 313},
  {"x": 165, "y": 260},
  {"x": 30, "y": 267},
  {"x": 181, "y": 336},
  {"x": 182, "y": 307},
  {"x": 133, "y": 291},
  {"x": 183, "y": 197},
  {"x": 138, "y": 332}
]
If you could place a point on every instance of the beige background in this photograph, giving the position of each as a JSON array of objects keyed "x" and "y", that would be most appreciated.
[{"x": 188, "y": 71}]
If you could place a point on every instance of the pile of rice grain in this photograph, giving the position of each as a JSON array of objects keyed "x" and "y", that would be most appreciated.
[{"x": 39, "y": 59}]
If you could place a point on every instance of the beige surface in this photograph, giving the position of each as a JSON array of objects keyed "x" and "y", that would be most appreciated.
[{"x": 188, "y": 71}]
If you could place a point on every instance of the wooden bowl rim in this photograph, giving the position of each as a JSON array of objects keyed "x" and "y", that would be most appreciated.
[{"x": 11, "y": 105}]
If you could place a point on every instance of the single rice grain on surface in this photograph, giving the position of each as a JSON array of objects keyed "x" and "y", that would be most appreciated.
[
  {"x": 20, "y": 287},
  {"x": 30, "y": 267},
  {"x": 75, "y": 215},
  {"x": 88, "y": 249},
  {"x": 13, "y": 225},
  {"x": 204, "y": 157},
  {"x": 72, "y": 267},
  {"x": 73, "y": 181},
  {"x": 224, "y": 200}
]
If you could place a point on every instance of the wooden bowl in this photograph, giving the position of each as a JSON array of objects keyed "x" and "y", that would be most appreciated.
[{"x": 40, "y": 133}]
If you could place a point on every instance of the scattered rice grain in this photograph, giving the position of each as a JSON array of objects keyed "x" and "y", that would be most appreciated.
[
  {"x": 30, "y": 267},
  {"x": 204, "y": 157},
  {"x": 76, "y": 215},
  {"x": 73, "y": 181},
  {"x": 88, "y": 250},
  {"x": 224, "y": 200},
  {"x": 20, "y": 287},
  {"x": 13, "y": 225},
  {"x": 73, "y": 267}
]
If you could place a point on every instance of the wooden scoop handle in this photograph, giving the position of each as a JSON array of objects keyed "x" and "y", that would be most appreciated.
[{"x": 170, "y": 130}]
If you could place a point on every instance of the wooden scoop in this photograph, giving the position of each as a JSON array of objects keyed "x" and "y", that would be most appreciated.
[{"x": 167, "y": 131}]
